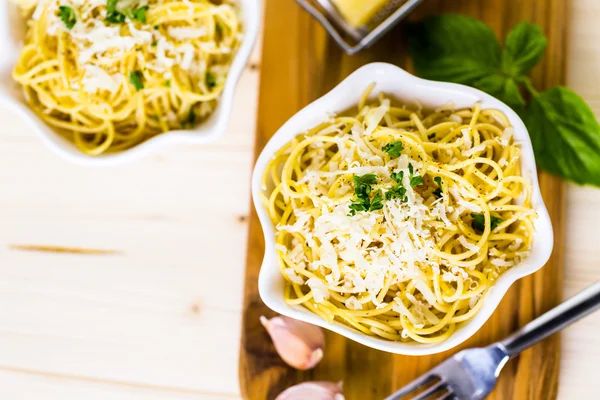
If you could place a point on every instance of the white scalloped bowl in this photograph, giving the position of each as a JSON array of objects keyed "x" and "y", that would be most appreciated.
[
  {"x": 12, "y": 32},
  {"x": 408, "y": 89}
]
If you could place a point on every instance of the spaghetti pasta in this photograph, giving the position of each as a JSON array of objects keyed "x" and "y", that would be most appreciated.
[
  {"x": 109, "y": 74},
  {"x": 398, "y": 222}
]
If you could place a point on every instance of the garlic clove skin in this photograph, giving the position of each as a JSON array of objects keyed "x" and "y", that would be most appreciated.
[
  {"x": 313, "y": 391},
  {"x": 298, "y": 343}
]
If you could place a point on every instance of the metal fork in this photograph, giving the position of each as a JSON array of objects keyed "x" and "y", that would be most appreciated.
[{"x": 471, "y": 374}]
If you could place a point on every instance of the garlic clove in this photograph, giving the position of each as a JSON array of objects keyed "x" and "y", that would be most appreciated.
[
  {"x": 299, "y": 344},
  {"x": 313, "y": 391}
]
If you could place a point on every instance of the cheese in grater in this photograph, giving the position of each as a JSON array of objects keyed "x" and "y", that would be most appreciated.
[{"x": 359, "y": 12}]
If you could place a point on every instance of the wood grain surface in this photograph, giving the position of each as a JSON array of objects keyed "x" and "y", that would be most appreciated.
[{"x": 299, "y": 64}]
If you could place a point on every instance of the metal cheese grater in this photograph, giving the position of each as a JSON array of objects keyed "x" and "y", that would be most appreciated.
[{"x": 351, "y": 38}]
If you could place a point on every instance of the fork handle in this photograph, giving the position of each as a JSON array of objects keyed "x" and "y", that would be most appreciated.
[{"x": 559, "y": 317}]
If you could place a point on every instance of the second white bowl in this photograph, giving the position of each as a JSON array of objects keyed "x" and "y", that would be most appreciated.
[{"x": 12, "y": 33}]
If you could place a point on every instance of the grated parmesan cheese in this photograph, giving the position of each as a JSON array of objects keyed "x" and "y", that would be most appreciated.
[
  {"x": 96, "y": 78},
  {"x": 318, "y": 288},
  {"x": 185, "y": 33}
]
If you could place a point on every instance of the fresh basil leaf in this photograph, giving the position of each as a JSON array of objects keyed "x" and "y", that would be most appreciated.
[
  {"x": 454, "y": 48},
  {"x": 68, "y": 16},
  {"x": 504, "y": 89},
  {"x": 565, "y": 135},
  {"x": 523, "y": 49}
]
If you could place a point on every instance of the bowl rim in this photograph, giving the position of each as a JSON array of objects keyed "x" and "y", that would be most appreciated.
[
  {"x": 251, "y": 15},
  {"x": 353, "y": 86}
]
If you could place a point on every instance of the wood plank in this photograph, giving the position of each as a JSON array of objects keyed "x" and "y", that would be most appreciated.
[
  {"x": 154, "y": 313},
  {"x": 299, "y": 64},
  {"x": 28, "y": 385}
]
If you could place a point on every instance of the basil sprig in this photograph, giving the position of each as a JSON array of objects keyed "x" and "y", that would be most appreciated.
[{"x": 564, "y": 132}]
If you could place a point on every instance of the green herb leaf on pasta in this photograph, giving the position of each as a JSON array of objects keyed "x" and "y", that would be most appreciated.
[
  {"x": 357, "y": 206},
  {"x": 454, "y": 48},
  {"x": 211, "y": 80},
  {"x": 68, "y": 16},
  {"x": 190, "y": 121},
  {"x": 416, "y": 180},
  {"x": 398, "y": 192},
  {"x": 138, "y": 13},
  {"x": 523, "y": 49},
  {"x": 397, "y": 176},
  {"x": 393, "y": 149},
  {"x": 565, "y": 135},
  {"x": 377, "y": 202},
  {"x": 136, "y": 79},
  {"x": 362, "y": 190},
  {"x": 478, "y": 223},
  {"x": 368, "y": 179},
  {"x": 113, "y": 15},
  {"x": 438, "y": 192}
]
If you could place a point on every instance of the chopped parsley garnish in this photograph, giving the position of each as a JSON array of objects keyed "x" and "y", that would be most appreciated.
[
  {"x": 191, "y": 119},
  {"x": 113, "y": 15},
  {"x": 416, "y": 180},
  {"x": 68, "y": 16},
  {"x": 357, "y": 206},
  {"x": 398, "y": 192},
  {"x": 393, "y": 149},
  {"x": 211, "y": 80},
  {"x": 478, "y": 223},
  {"x": 168, "y": 83},
  {"x": 135, "y": 78},
  {"x": 397, "y": 176},
  {"x": 138, "y": 13},
  {"x": 438, "y": 192},
  {"x": 362, "y": 184},
  {"x": 154, "y": 43},
  {"x": 362, "y": 190},
  {"x": 156, "y": 27},
  {"x": 431, "y": 136},
  {"x": 377, "y": 202}
]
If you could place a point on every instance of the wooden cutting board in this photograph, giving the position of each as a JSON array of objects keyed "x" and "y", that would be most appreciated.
[{"x": 300, "y": 63}]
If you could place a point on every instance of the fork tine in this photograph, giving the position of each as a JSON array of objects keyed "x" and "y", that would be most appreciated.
[
  {"x": 447, "y": 396},
  {"x": 411, "y": 387},
  {"x": 438, "y": 387}
]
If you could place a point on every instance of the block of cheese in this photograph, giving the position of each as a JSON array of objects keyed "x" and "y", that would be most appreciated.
[{"x": 359, "y": 12}]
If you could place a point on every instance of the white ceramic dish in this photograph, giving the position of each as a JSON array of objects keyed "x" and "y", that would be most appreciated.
[
  {"x": 12, "y": 32},
  {"x": 407, "y": 89}
]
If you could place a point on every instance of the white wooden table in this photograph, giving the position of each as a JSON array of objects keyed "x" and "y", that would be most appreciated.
[{"x": 160, "y": 318}]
